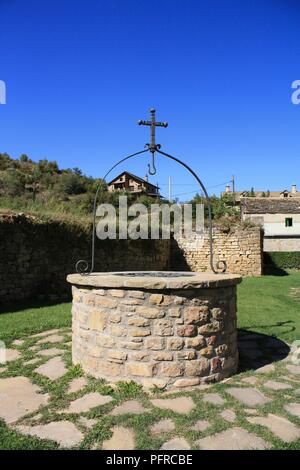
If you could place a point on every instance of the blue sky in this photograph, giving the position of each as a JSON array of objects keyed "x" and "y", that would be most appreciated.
[{"x": 79, "y": 74}]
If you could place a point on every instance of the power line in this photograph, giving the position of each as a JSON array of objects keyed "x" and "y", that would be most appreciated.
[
  {"x": 197, "y": 190},
  {"x": 192, "y": 184}
]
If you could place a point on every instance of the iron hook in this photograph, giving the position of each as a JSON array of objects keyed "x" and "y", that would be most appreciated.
[{"x": 153, "y": 166}]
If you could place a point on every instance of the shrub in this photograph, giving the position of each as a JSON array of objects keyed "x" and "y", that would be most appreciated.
[
  {"x": 71, "y": 183},
  {"x": 282, "y": 260},
  {"x": 13, "y": 183}
]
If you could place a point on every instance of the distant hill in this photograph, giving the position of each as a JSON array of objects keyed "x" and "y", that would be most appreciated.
[{"x": 43, "y": 187}]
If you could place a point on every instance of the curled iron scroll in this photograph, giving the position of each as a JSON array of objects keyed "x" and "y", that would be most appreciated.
[{"x": 84, "y": 268}]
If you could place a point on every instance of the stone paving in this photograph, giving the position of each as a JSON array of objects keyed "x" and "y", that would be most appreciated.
[
  {"x": 129, "y": 407},
  {"x": 64, "y": 433},
  {"x": 44, "y": 397},
  {"x": 232, "y": 439},
  {"x": 87, "y": 402},
  {"x": 248, "y": 396},
  {"x": 281, "y": 427},
  {"x": 53, "y": 369},
  {"x": 165, "y": 425},
  {"x": 122, "y": 439}
]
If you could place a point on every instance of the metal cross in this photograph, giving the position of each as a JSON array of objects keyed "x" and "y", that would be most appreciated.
[
  {"x": 152, "y": 124},
  {"x": 152, "y": 146}
]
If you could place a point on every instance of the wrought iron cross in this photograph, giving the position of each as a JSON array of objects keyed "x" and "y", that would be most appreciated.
[
  {"x": 152, "y": 146},
  {"x": 152, "y": 123}
]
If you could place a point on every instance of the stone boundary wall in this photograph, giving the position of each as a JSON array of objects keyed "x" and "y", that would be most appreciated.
[
  {"x": 37, "y": 255},
  {"x": 163, "y": 338},
  {"x": 242, "y": 248}
]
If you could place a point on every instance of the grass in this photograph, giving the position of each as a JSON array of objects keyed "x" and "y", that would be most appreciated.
[
  {"x": 32, "y": 317},
  {"x": 266, "y": 305}
]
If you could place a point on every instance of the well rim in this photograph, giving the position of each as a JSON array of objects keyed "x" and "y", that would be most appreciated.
[{"x": 140, "y": 280}]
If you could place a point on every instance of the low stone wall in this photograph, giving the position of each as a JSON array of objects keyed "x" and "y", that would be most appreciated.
[
  {"x": 37, "y": 255},
  {"x": 168, "y": 338},
  {"x": 240, "y": 247}
]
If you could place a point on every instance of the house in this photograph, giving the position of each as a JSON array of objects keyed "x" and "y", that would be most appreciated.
[
  {"x": 132, "y": 183},
  {"x": 239, "y": 195},
  {"x": 280, "y": 218}
]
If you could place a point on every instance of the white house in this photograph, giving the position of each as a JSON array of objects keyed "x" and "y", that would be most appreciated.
[{"x": 279, "y": 217}]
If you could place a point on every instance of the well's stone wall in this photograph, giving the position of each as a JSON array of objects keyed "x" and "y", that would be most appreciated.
[
  {"x": 242, "y": 248},
  {"x": 169, "y": 338}
]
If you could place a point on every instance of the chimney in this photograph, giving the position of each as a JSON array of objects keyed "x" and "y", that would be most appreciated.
[
  {"x": 146, "y": 178},
  {"x": 227, "y": 188},
  {"x": 294, "y": 188}
]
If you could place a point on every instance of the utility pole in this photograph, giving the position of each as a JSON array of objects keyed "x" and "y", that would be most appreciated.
[
  {"x": 233, "y": 188},
  {"x": 170, "y": 189}
]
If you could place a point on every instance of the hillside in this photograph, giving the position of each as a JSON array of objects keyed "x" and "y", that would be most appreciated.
[{"x": 44, "y": 187}]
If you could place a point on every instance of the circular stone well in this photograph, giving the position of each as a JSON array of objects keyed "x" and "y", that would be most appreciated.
[{"x": 164, "y": 329}]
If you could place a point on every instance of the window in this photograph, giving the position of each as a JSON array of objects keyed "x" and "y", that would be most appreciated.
[{"x": 288, "y": 222}]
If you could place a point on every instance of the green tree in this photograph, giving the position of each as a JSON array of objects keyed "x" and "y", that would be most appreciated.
[
  {"x": 220, "y": 207},
  {"x": 77, "y": 171},
  {"x": 70, "y": 183},
  {"x": 44, "y": 166},
  {"x": 5, "y": 161},
  {"x": 52, "y": 167},
  {"x": 24, "y": 158},
  {"x": 32, "y": 183}
]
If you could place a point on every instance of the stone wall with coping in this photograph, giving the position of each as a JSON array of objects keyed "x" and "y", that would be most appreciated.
[
  {"x": 36, "y": 256},
  {"x": 242, "y": 248},
  {"x": 163, "y": 338}
]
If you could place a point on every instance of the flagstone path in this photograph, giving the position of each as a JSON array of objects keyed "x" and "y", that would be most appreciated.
[{"x": 44, "y": 397}]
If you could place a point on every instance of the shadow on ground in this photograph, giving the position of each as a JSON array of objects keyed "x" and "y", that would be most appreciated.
[
  {"x": 29, "y": 304},
  {"x": 270, "y": 267},
  {"x": 256, "y": 350}
]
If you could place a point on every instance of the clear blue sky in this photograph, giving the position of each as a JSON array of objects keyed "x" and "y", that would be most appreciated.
[{"x": 79, "y": 75}]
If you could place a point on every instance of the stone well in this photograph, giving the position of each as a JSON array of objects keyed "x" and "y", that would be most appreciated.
[{"x": 164, "y": 329}]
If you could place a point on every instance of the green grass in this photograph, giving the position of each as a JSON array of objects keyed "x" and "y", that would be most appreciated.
[
  {"x": 24, "y": 319},
  {"x": 267, "y": 305}
]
